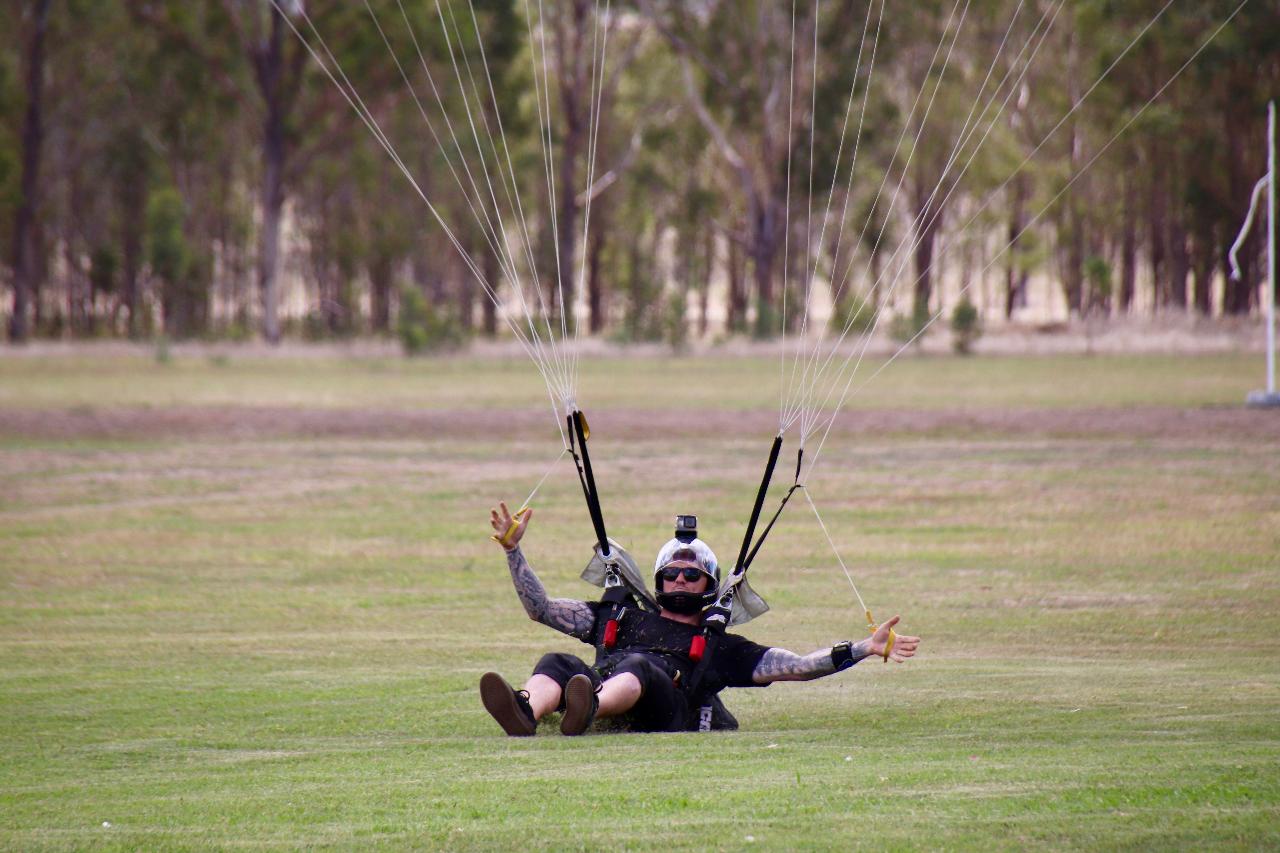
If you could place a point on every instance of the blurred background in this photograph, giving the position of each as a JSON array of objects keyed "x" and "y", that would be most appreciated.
[{"x": 185, "y": 168}]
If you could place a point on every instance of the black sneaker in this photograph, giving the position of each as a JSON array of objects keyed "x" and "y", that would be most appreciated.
[
  {"x": 580, "y": 705},
  {"x": 508, "y": 706}
]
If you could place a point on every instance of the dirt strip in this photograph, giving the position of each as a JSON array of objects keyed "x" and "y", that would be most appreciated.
[{"x": 252, "y": 423}]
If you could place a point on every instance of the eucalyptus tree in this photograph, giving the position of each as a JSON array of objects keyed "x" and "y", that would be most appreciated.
[
  {"x": 25, "y": 270},
  {"x": 1186, "y": 165},
  {"x": 282, "y": 49},
  {"x": 736, "y": 62}
]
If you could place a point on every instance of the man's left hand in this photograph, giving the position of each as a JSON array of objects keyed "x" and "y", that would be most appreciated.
[{"x": 903, "y": 646}]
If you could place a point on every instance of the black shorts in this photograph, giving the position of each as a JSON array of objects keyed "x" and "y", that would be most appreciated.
[{"x": 662, "y": 706}]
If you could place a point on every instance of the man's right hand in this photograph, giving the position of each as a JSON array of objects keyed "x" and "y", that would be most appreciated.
[{"x": 509, "y": 529}]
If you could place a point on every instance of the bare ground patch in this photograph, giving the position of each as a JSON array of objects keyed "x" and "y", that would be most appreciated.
[{"x": 257, "y": 422}]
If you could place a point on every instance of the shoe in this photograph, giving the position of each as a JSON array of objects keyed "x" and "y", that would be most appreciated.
[
  {"x": 580, "y": 706},
  {"x": 508, "y": 706}
]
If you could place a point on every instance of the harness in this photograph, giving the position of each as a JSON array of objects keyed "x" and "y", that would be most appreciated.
[
  {"x": 652, "y": 636},
  {"x": 618, "y": 596},
  {"x": 717, "y": 617}
]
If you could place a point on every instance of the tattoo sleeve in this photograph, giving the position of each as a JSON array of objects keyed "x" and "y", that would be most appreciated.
[
  {"x": 782, "y": 665},
  {"x": 564, "y": 614}
]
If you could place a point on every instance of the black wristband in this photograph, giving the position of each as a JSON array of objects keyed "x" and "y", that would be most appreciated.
[{"x": 842, "y": 655}]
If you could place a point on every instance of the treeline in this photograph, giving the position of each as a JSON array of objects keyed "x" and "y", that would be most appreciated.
[{"x": 166, "y": 164}]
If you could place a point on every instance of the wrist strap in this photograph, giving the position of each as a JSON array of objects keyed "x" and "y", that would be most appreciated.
[
  {"x": 842, "y": 655},
  {"x": 505, "y": 539},
  {"x": 888, "y": 646}
]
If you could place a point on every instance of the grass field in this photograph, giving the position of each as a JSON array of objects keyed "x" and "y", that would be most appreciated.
[{"x": 246, "y": 604}]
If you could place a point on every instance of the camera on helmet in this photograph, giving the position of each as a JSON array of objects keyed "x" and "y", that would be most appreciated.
[{"x": 686, "y": 528}]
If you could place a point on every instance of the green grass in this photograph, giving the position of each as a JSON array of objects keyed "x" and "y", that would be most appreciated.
[
  {"x": 736, "y": 383},
  {"x": 273, "y": 640}
]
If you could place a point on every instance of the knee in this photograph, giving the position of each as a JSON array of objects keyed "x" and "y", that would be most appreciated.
[
  {"x": 556, "y": 659},
  {"x": 638, "y": 667},
  {"x": 559, "y": 667},
  {"x": 634, "y": 662}
]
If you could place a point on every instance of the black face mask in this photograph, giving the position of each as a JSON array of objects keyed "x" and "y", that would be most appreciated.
[{"x": 683, "y": 603}]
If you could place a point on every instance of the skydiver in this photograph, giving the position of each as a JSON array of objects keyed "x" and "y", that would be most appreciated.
[{"x": 645, "y": 678}]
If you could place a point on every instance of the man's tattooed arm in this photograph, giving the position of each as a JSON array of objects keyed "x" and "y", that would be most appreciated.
[
  {"x": 782, "y": 665},
  {"x": 563, "y": 614}
]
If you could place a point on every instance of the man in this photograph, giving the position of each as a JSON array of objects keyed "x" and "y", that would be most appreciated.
[{"x": 649, "y": 675}]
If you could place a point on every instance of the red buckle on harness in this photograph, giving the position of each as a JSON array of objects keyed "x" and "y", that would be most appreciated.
[
  {"x": 697, "y": 647},
  {"x": 611, "y": 633}
]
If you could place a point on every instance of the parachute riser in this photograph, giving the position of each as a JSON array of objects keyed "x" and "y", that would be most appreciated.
[
  {"x": 579, "y": 431},
  {"x": 759, "y": 504}
]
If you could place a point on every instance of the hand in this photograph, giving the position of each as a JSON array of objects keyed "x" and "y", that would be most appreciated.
[
  {"x": 502, "y": 523},
  {"x": 903, "y": 646}
]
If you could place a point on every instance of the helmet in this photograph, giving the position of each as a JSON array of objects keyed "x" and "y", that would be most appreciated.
[{"x": 693, "y": 553}]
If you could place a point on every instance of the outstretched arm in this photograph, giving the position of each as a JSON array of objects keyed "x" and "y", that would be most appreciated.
[
  {"x": 782, "y": 665},
  {"x": 563, "y": 614}
]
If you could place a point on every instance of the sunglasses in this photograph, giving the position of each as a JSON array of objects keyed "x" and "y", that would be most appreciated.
[{"x": 690, "y": 575}]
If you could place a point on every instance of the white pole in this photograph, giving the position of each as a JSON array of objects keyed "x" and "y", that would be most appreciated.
[{"x": 1271, "y": 250}]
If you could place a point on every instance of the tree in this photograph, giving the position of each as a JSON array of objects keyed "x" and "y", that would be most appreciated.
[
  {"x": 736, "y": 62},
  {"x": 25, "y": 270}
]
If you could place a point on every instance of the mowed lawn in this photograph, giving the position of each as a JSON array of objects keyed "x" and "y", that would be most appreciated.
[{"x": 246, "y": 603}]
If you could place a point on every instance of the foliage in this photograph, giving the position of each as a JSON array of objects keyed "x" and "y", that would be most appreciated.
[
  {"x": 422, "y": 327},
  {"x": 1097, "y": 272},
  {"x": 182, "y": 272},
  {"x": 910, "y": 327},
  {"x": 765, "y": 325},
  {"x": 855, "y": 314},
  {"x": 675, "y": 321},
  {"x": 167, "y": 245},
  {"x": 168, "y": 96},
  {"x": 103, "y": 267},
  {"x": 966, "y": 326}
]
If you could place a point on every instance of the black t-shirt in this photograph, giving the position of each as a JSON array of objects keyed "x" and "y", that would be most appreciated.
[{"x": 732, "y": 663}]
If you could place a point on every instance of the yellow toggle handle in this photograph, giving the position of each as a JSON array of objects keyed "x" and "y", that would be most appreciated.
[
  {"x": 505, "y": 539},
  {"x": 586, "y": 427},
  {"x": 888, "y": 647}
]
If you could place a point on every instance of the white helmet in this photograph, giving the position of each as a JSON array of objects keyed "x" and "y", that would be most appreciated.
[{"x": 694, "y": 553}]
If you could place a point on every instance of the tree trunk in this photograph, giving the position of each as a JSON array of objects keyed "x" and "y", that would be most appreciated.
[
  {"x": 270, "y": 72},
  {"x": 490, "y": 321},
  {"x": 595, "y": 282},
  {"x": 704, "y": 296},
  {"x": 380, "y": 276},
  {"x": 737, "y": 309},
  {"x": 1179, "y": 262},
  {"x": 463, "y": 300},
  {"x": 1073, "y": 274},
  {"x": 571, "y": 48},
  {"x": 928, "y": 221},
  {"x": 1128, "y": 241},
  {"x": 1202, "y": 256},
  {"x": 74, "y": 279},
  {"x": 1015, "y": 280},
  {"x": 764, "y": 250},
  {"x": 1158, "y": 228},
  {"x": 561, "y": 300},
  {"x": 924, "y": 270},
  {"x": 134, "y": 206},
  {"x": 25, "y": 268}
]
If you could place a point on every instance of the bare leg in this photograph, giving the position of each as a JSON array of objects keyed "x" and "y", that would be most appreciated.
[
  {"x": 544, "y": 695},
  {"x": 618, "y": 695}
]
